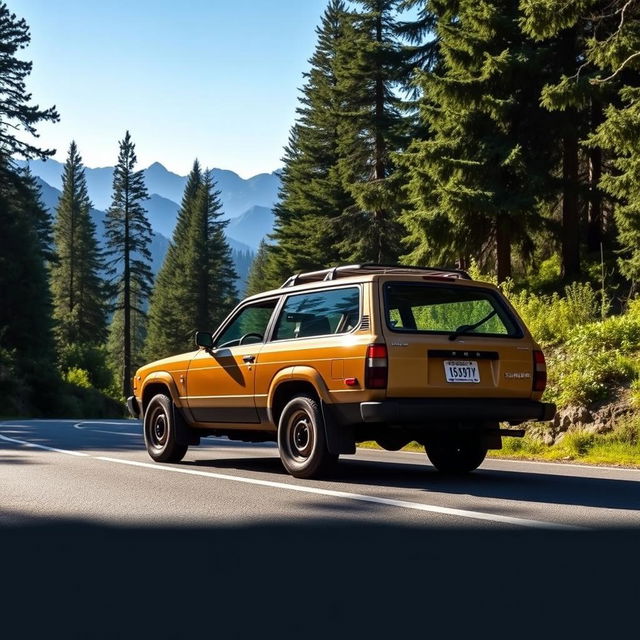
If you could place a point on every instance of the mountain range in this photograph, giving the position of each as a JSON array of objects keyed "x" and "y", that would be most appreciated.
[
  {"x": 237, "y": 194},
  {"x": 247, "y": 204}
]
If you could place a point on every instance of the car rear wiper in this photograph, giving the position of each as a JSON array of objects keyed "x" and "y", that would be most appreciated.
[{"x": 466, "y": 328}]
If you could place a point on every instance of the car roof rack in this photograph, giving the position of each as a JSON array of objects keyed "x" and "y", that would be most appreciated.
[{"x": 345, "y": 271}]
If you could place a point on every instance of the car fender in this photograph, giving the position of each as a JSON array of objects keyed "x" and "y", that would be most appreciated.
[{"x": 167, "y": 379}]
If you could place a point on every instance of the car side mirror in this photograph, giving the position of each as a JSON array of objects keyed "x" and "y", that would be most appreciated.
[{"x": 204, "y": 339}]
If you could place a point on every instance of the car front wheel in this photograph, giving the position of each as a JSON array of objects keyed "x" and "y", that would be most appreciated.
[
  {"x": 301, "y": 439},
  {"x": 160, "y": 430}
]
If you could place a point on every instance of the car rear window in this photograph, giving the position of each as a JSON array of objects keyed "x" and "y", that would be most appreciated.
[
  {"x": 319, "y": 313},
  {"x": 435, "y": 308}
]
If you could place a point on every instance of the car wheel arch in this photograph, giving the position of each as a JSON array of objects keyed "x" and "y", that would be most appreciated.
[
  {"x": 159, "y": 382},
  {"x": 291, "y": 382}
]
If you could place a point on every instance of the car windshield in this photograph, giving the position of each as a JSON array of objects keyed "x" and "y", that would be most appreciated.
[{"x": 456, "y": 310}]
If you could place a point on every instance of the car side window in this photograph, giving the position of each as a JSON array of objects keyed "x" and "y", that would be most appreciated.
[
  {"x": 248, "y": 326},
  {"x": 318, "y": 314}
]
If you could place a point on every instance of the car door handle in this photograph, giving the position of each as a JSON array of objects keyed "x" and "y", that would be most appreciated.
[{"x": 248, "y": 359}]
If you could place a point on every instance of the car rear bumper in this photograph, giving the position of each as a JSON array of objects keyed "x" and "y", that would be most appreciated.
[
  {"x": 133, "y": 406},
  {"x": 424, "y": 410}
]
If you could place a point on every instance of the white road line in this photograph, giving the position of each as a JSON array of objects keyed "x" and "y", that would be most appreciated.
[
  {"x": 404, "y": 504},
  {"x": 41, "y": 446},
  {"x": 417, "y": 506}
]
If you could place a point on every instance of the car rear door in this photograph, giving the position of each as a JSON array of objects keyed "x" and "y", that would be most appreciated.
[{"x": 490, "y": 355}]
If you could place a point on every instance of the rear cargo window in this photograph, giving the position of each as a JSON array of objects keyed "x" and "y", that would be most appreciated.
[{"x": 434, "y": 308}]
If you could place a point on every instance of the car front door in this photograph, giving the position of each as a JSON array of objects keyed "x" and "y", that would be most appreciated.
[{"x": 221, "y": 381}]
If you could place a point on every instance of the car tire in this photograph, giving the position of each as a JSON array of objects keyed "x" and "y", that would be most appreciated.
[
  {"x": 160, "y": 430},
  {"x": 456, "y": 458},
  {"x": 301, "y": 439}
]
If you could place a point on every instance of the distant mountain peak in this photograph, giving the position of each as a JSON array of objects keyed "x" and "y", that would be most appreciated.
[{"x": 156, "y": 166}]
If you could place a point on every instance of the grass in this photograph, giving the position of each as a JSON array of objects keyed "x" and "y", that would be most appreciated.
[{"x": 620, "y": 447}]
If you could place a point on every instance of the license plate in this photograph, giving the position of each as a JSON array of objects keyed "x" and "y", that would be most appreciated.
[{"x": 461, "y": 371}]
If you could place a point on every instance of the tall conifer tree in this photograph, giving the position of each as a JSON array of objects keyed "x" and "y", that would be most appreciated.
[
  {"x": 26, "y": 347},
  {"x": 16, "y": 112},
  {"x": 614, "y": 53},
  {"x": 371, "y": 68},
  {"x": 216, "y": 274},
  {"x": 128, "y": 235},
  {"x": 27, "y": 354},
  {"x": 566, "y": 27},
  {"x": 195, "y": 287},
  {"x": 172, "y": 301},
  {"x": 476, "y": 183},
  {"x": 312, "y": 195},
  {"x": 78, "y": 292}
]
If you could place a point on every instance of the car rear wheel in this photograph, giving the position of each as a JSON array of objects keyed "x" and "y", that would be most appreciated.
[
  {"x": 160, "y": 430},
  {"x": 456, "y": 458},
  {"x": 301, "y": 439}
]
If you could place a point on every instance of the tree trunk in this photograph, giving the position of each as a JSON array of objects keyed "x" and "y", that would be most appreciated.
[
  {"x": 595, "y": 222},
  {"x": 126, "y": 373},
  {"x": 503, "y": 247},
  {"x": 570, "y": 212},
  {"x": 379, "y": 169}
]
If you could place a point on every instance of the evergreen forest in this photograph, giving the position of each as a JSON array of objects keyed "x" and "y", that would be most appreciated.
[{"x": 497, "y": 136}]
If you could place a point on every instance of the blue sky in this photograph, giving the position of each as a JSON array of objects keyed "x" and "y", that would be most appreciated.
[{"x": 212, "y": 79}]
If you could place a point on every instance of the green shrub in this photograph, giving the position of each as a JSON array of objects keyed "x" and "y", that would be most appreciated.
[
  {"x": 78, "y": 377},
  {"x": 78, "y": 401},
  {"x": 577, "y": 443},
  {"x": 93, "y": 359},
  {"x": 585, "y": 376},
  {"x": 552, "y": 319}
]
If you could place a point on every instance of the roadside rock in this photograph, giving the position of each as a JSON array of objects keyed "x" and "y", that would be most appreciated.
[
  {"x": 571, "y": 418},
  {"x": 597, "y": 418}
]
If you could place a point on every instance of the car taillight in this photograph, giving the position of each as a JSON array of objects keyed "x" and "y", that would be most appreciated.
[
  {"x": 376, "y": 367},
  {"x": 539, "y": 371}
]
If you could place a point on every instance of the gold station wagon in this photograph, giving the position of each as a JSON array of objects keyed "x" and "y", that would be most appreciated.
[{"x": 350, "y": 354}]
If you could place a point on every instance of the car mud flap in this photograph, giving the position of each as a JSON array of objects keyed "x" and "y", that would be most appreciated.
[
  {"x": 184, "y": 434},
  {"x": 340, "y": 439}
]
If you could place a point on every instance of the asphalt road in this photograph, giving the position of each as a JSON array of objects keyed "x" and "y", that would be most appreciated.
[
  {"x": 98, "y": 541},
  {"x": 99, "y": 472}
]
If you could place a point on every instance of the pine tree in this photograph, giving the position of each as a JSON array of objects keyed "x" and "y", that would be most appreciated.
[
  {"x": 173, "y": 299},
  {"x": 567, "y": 27},
  {"x": 371, "y": 67},
  {"x": 476, "y": 183},
  {"x": 78, "y": 291},
  {"x": 16, "y": 112},
  {"x": 128, "y": 235},
  {"x": 312, "y": 195},
  {"x": 195, "y": 287},
  {"x": 614, "y": 53},
  {"x": 216, "y": 274},
  {"x": 257, "y": 273},
  {"x": 27, "y": 357}
]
